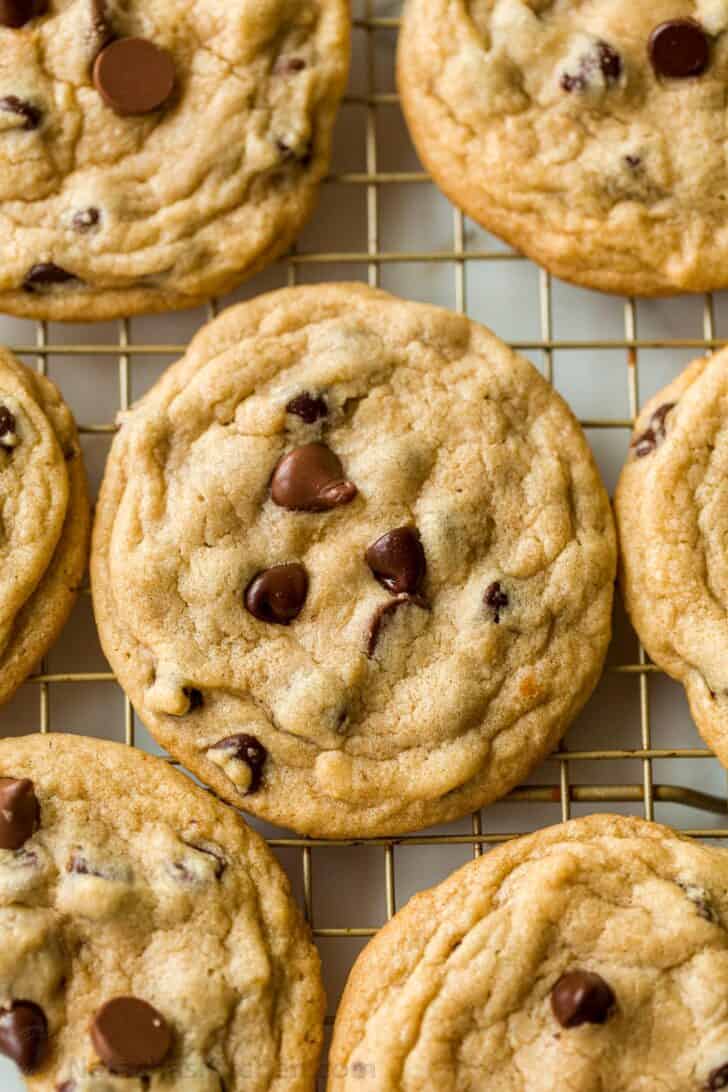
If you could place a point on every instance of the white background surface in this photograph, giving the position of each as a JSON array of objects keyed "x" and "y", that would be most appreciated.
[{"x": 349, "y": 883}]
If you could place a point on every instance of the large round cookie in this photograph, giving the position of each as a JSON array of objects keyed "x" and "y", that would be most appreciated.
[
  {"x": 588, "y": 135},
  {"x": 353, "y": 562},
  {"x": 589, "y": 956},
  {"x": 148, "y": 175},
  {"x": 45, "y": 519},
  {"x": 124, "y": 886},
  {"x": 672, "y": 513}
]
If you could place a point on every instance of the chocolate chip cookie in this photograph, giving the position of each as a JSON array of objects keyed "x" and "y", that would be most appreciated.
[
  {"x": 589, "y": 136},
  {"x": 672, "y": 512},
  {"x": 45, "y": 519},
  {"x": 353, "y": 562},
  {"x": 150, "y": 940},
  {"x": 154, "y": 154},
  {"x": 588, "y": 956}
]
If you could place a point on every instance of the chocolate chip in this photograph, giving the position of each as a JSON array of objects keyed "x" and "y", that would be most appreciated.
[
  {"x": 130, "y": 1036},
  {"x": 24, "y": 1035},
  {"x": 134, "y": 76},
  {"x": 278, "y": 595},
  {"x": 19, "y": 812},
  {"x": 496, "y": 600},
  {"x": 603, "y": 59},
  {"x": 581, "y": 997},
  {"x": 679, "y": 49},
  {"x": 45, "y": 275},
  {"x": 16, "y": 13},
  {"x": 718, "y": 1078},
  {"x": 397, "y": 560},
  {"x": 86, "y": 220},
  {"x": 310, "y": 408},
  {"x": 384, "y": 613},
  {"x": 194, "y": 697},
  {"x": 311, "y": 479},
  {"x": 247, "y": 749},
  {"x": 31, "y": 115},
  {"x": 8, "y": 423},
  {"x": 655, "y": 433}
]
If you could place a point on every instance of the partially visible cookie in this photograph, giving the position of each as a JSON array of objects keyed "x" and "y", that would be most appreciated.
[
  {"x": 353, "y": 562},
  {"x": 44, "y": 523},
  {"x": 588, "y": 956},
  {"x": 149, "y": 937},
  {"x": 154, "y": 154},
  {"x": 588, "y": 135},
  {"x": 672, "y": 513}
]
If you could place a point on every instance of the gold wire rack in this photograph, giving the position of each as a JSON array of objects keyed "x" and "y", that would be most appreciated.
[{"x": 642, "y": 791}]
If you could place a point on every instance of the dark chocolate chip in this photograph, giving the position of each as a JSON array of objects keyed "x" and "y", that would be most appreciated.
[
  {"x": 397, "y": 560},
  {"x": 679, "y": 49},
  {"x": 31, "y": 115},
  {"x": 383, "y": 615},
  {"x": 134, "y": 76},
  {"x": 249, "y": 750},
  {"x": 19, "y": 812},
  {"x": 278, "y": 595},
  {"x": 16, "y": 13},
  {"x": 7, "y": 421},
  {"x": 130, "y": 1036},
  {"x": 24, "y": 1035},
  {"x": 655, "y": 433},
  {"x": 310, "y": 408},
  {"x": 602, "y": 58},
  {"x": 311, "y": 479},
  {"x": 718, "y": 1078},
  {"x": 581, "y": 997},
  {"x": 45, "y": 275},
  {"x": 496, "y": 600},
  {"x": 194, "y": 697},
  {"x": 86, "y": 220}
]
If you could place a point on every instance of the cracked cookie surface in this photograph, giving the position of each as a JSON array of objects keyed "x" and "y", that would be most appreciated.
[
  {"x": 122, "y": 195},
  {"x": 149, "y": 936},
  {"x": 587, "y": 133},
  {"x": 45, "y": 519},
  {"x": 353, "y": 562},
  {"x": 672, "y": 514},
  {"x": 588, "y": 956}
]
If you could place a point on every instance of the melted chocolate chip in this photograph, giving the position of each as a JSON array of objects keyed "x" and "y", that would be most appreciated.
[
  {"x": 603, "y": 59},
  {"x": 310, "y": 408},
  {"x": 655, "y": 432},
  {"x": 496, "y": 600},
  {"x": 383, "y": 615},
  {"x": 679, "y": 49},
  {"x": 31, "y": 115},
  {"x": 134, "y": 76},
  {"x": 581, "y": 997},
  {"x": 24, "y": 1035},
  {"x": 8, "y": 423},
  {"x": 45, "y": 275},
  {"x": 86, "y": 220},
  {"x": 19, "y": 812},
  {"x": 130, "y": 1036},
  {"x": 249, "y": 750},
  {"x": 16, "y": 13},
  {"x": 718, "y": 1078},
  {"x": 397, "y": 560},
  {"x": 311, "y": 479},
  {"x": 278, "y": 595},
  {"x": 194, "y": 696}
]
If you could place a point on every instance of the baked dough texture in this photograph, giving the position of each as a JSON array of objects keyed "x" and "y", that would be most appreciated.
[
  {"x": 161, "y": 210},
  {"x": 672, "y": 511},
  {"x": 45, "y": 519},
  {"x": 375, "y": 709},
  {"x": 138, "y": 883},
  {"x": 546, "y": 121},
  {"x": 454, "y": 994}
]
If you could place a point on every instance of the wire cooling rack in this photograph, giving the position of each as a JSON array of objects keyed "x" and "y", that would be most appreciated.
[{"x": 634, "y": 749}]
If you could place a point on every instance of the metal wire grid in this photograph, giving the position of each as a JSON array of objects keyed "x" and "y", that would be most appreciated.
[{"x": 645, "y": 791}]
